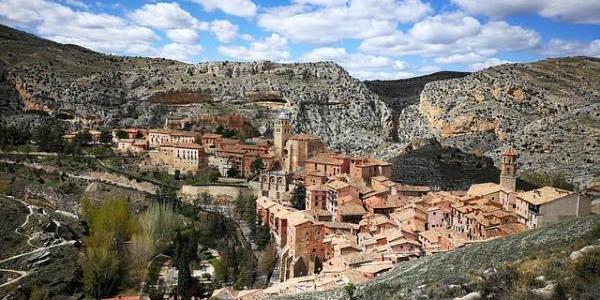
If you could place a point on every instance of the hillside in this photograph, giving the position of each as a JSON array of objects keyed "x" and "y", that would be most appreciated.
[
  {"x": 450, "y": 274},
  {"x": 549, "y": 111},
  {"x": 400, "y": 93},
  {"x": 92, "y": 89}
]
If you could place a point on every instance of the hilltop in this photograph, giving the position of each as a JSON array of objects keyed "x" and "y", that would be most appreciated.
[{"x": 455, "y": 273}]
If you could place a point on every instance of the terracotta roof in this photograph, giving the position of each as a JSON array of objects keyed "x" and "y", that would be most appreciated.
[
  {"x": 339, "y": 225},
  {"x": 318, "y": 187},
  {"x": 483, "y": 189},
  {"x": 375, "y": 268},
  {"x": 412, "y": 188},
  {"x": 544, "y": 195},
  {"x": 509, "y": 152},
  {"x": 211, "y": 135},
  {"x": 327, "y": 158},
  {"x": 297, "y": 218},
  {"x": 351, "y": 208},
  {"x": 383, "y": 202},
  {"x": 184, "y": 145},
  {"x": 337, "y": 185}
]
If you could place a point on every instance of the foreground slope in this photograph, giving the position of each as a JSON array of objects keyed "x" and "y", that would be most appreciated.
[{"x": 460, "y": 266}]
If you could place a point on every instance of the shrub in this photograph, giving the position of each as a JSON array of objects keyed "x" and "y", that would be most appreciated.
[{"x": 588, "y": 266}]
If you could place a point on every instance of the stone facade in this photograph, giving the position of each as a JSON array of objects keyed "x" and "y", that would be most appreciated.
[
  {"x": 299, "y": 148},
  {"x": 184, "y": 158}
]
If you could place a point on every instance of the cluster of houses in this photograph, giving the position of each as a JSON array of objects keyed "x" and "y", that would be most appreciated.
[
  {"x": 188, "y": 152},
  {"x": 357, "y": 223}
]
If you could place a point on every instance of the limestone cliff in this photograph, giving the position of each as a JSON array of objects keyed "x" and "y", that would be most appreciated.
[{"x": 548, "y": 110}]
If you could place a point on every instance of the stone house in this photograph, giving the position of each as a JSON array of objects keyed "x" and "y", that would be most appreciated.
[
  {"x": 410, "y": 218},
  {"x": 548, "y": 205},
  {"x": 327, "y": 164},
  {"x": 316, "y": 197},
  {"x": 132, "y": 145},
  {"x": 441, "y": 239},
  {"x": 275, "y": 184},
  {"x": 366, "y": 167},
  {"x": 381, "y": 202},
  {"x": 184, "y": 158},
  {"x": 350, "y": 210},
  {"x": 157, "y": 137},
  {"x": 298, "y": 149},
  {"x": 336, "y": 190},
  {"x": 210, "y": 142}
]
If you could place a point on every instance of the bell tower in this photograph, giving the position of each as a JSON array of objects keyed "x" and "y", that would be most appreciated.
[
  {"x": 283, "y": 130},
  {"x": 508, "y": 170}
]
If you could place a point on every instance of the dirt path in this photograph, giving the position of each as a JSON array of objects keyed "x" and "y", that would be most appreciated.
[{"x": 23, "y": 274}]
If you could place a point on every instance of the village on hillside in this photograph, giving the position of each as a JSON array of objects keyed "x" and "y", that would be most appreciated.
[{"x": 339, "y": 219}]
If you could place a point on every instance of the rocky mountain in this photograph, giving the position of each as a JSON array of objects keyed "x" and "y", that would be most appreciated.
[
  {"x": 398, "y": 94},
  {"x": 548, "y": 110},
  {"x": 88, "y": 88}
]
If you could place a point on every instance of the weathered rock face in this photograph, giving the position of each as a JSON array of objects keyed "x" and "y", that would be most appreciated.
[
  {"x": 91, "y": 89},
  {"x": 548, "y": 110}
]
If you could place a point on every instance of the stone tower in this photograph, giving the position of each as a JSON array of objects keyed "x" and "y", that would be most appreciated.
[
  {"x": 508, "y": 170},
  {"x": 283, "y": 130}
]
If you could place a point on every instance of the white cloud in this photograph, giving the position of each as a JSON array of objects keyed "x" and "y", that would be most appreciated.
[
  {"x": 583, "y": 11},
  {"x": 490, "y": 62},
  {"x": 359, "y": 65},
  {"x": 224, "y": 30},
  {"x": 166, "y": 16},
  {"x": 429, "y": 69},
  {"x": 322, "y": 2},
  {"x": 77, "y": 4},
  {"x": 558, "y": 47},
  {"x": 274, "y": 48},
  {"x": 177, "y": 51},
  {"x": 358, "y": 19},
  {"x": 445, "y": 28},
  {"x": 246, "y": 37},
  {"x": 183, "y": 36},
  {"x": 100, "y": 32},
  {"x": 491, "y": 38},
  {"x": 240, "y": 8},
  {"x": 466, "y": 58}
]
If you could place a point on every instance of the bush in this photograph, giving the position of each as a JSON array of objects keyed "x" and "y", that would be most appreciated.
[
  {"x": 548, "y": 179},
  {"x": 588, "y": 266}
]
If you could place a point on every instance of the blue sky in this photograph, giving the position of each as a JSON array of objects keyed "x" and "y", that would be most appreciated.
[{"x": 372, "y": 39}]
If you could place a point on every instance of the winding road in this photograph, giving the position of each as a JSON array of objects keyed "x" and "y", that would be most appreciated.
[{"x": 23, "y": 274}]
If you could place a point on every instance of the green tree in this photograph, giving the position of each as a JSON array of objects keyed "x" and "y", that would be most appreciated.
[
  {"x": 121, "y": 134},
  {"x": 257, "y": 165},
  {"x": 299, "y": 197},
  {"x": 183, "y": 256},
  {"x": 50, "y": 138},
  {"x": 233, "y": 172},
  {"x": 105, "y": 136}
]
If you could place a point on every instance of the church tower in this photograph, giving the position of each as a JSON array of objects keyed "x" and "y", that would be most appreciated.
[
  {"x": 508, "y": 170},
  {"x": 283, "y": 130}
]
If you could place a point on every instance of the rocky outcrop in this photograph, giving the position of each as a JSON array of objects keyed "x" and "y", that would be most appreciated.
[{"x": 549, "y": 111}]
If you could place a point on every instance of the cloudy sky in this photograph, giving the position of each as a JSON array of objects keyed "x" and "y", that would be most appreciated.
[{"x": 372, "y": 39}]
